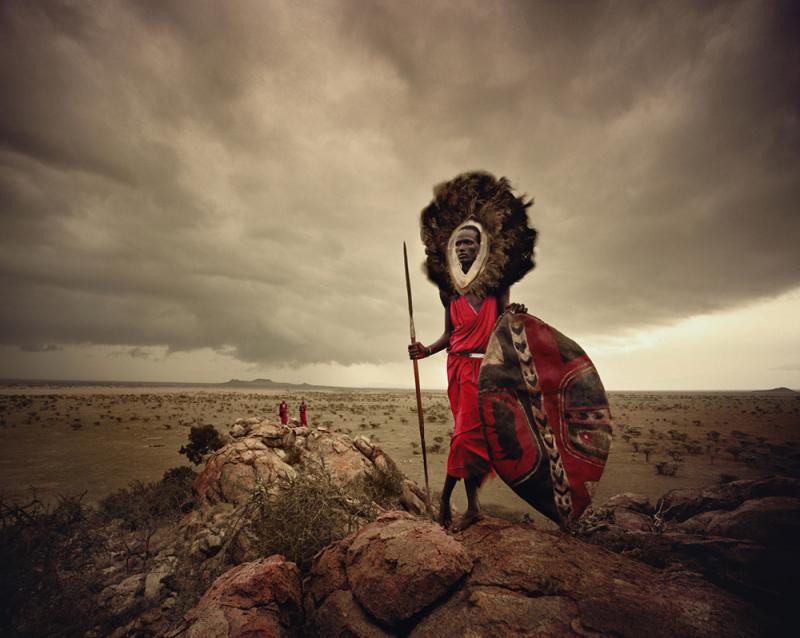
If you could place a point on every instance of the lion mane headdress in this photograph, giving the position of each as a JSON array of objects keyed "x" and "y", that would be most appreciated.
[{"x": 481, "y": 200}]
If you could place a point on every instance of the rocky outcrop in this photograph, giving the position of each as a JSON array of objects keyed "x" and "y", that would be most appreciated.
[
  {"x": 261, "y": 598},
  {"x": 404, "y": 576},
  {"x": 148, "y": 573},
  {"x": 263, "y": 451},
  {"x": 743, "y": 536}
]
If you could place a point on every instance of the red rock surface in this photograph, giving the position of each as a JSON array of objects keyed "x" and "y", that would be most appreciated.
[
  {"x": 261, "y": 598},
  {"x": 399, "y": 566},
  {"x": 230, "y": 475},
  {"x": 515, "y": 580},
  {"x": 258, "y": 453},
  {"x": 340, "y": 615}
]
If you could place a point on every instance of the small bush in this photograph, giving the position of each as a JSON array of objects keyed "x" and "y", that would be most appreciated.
[
  {"x": 307, "y": 512},
  {"x": 294, "y": 455},
  {"x": 665, "y": 468},
  {"x": 202, "y": 441},
  {"x": 144, "y": 507},
  {"x": 144, "y": 504},
  {"x": 382, "y": 485},
  {"x": 49, "y": 579}
]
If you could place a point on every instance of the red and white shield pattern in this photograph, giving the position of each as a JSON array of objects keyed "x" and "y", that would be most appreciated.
[{"x": 545, "y": 416}]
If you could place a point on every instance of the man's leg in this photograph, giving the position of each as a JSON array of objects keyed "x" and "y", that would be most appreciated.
[
  {"x": 445, "y": 516},
  {"x": 473, "y": 513}
]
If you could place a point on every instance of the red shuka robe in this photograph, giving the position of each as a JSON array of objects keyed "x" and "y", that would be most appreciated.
[
  {"x": 468, "y": 456},
  {"x": 283, "y": 410},
  {"x": 303, "y": 417}
]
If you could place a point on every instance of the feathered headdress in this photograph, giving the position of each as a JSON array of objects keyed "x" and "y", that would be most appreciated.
[{"x": 477, "y": 199}]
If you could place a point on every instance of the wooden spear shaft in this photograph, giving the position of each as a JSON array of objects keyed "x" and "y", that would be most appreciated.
[{"x": 420, "y": 416}]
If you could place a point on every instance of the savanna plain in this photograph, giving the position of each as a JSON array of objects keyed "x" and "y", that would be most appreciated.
[{"x": 93, "y": 440}]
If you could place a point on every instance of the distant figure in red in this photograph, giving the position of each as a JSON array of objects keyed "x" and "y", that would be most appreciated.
[
  {"x": 303, "y": 415},
  {"x": 283, "y": 411}
]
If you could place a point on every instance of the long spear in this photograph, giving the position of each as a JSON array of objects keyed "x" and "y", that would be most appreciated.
[{"x": 416, "y": 384}]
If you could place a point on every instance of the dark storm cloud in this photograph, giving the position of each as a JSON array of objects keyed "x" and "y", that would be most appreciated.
[{"x": 239, "y": 175}]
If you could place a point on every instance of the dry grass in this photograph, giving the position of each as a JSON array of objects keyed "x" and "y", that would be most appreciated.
[
  {"x": 129, "y": 434},
  {"x": 306, "y": 512}
]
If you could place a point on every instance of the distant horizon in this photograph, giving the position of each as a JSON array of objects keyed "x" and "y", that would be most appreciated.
[{"x": 292, "y": 385}]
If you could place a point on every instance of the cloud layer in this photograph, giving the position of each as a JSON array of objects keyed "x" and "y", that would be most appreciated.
[{"x": 239, "y": 176}]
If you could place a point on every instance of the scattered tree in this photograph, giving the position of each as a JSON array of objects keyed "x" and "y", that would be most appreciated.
[{"x": 203, "y": 440}]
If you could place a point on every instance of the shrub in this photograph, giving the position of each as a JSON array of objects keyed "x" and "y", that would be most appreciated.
[
  {"x": 665, "y": 468},
  {"x": 49, "y": 578},
  {"x": 381, "y": 485},
  {"x": 307, "y": 512},
  {"x": 202, "y": 441},
  {"x": 144, "y": 507},
  {"x": 294, "y": 455},
  {"x": 142, "y": 504}
]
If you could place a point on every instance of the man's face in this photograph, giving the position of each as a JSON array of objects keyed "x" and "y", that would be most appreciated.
[{"x": 467, "y": 245}]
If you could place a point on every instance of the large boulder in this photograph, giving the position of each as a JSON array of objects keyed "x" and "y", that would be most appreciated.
[
  {"x": 743, "y": 536},
  {"x": 263, "y": 451},
  {"x": 231, "y": 474},
  {"x": 340, "y": 615},
  {"x": 391, "y": 569},
  {"x": 261, "y": 598},
  {"x": 399, "y": 566},
  {"x": 400, "y": 575}
]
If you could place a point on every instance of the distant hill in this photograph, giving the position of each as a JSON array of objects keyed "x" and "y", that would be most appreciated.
[
  {"x": 268, "y": 383},
  {"x": 780, "y": 390},
  {"x": 255, "y": 384}
]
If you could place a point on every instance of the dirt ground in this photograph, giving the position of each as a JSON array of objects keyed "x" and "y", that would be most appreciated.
[{"x": 66, "y": 440}]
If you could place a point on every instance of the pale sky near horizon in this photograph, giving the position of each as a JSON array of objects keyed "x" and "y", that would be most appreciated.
[{"x": 196, "y": 191}]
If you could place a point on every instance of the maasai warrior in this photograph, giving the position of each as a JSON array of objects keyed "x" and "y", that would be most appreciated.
[
  {"x": 303, "y": 415},
  {"x": 283, "y": 411},
  {"x": 478, "y": 243}
]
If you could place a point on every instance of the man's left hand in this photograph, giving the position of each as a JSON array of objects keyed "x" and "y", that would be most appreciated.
[{"x": 516, "y": 308}]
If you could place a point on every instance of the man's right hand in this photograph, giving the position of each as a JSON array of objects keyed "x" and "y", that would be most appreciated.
[{"x": 417, "y": 351}]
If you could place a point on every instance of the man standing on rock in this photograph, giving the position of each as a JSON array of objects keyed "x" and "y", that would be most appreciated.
[
  {"x": 303, "y": 412},
  {"x": 478, "y": 242},
  {"x": 283, "y": 412}
]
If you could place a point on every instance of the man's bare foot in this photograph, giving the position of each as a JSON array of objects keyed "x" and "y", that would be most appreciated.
[
  {"x": 445, "y": 515},
  {"x": 468, "y": 519}
]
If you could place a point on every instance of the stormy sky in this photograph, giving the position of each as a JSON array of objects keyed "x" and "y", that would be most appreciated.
[{"x": 195, "y": 191}]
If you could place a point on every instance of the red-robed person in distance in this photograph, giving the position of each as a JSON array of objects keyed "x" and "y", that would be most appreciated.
[
  {"x": 303, "y": 412},
  {"x": 468, "y": 323},
  {"x": 283, "y": 412}
]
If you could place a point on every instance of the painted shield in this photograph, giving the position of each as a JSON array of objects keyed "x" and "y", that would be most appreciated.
[{"x": 545, "y": 416}]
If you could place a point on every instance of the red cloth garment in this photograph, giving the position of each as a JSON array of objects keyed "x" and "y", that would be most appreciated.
[
  {"x": 283, "y": 410},
  {"x": 468, "y": 456},
  {"x": 303, "y": 416}
]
